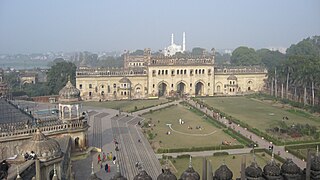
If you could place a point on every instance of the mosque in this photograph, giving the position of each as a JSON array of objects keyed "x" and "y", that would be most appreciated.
[{"x": 168, "y": 74}]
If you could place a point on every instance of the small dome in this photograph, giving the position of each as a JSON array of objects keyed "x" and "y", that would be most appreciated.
[
  {"x": 167, "y": 175},
  {"x": 253, "y": 171},
  {"x": 232, "y": 77},
  {"x": 289, "y": 167},
  {"x": 190, "y": 173},
  {"x": 223, "y": 173},
  {"x": 42, "y": 146},
  {"x": 125, "y": 80},
  {"x": 143, "y": 175},
  {"x": 69, "y": 93},
  {"x": 315, "y": 163},
  {"x": 271, "y": 169}
]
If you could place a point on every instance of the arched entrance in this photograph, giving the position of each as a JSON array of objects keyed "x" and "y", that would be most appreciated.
[
  {"x": 76, "y": 143},
  {"x": 181, "y": 87},
  {"x": 162, "y": 89},
  {"x": 51, "y": 173},
  {"x": 199, "y": 89}
]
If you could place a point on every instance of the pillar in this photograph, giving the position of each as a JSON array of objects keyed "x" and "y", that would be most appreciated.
[{"x": 70, "y": 111}]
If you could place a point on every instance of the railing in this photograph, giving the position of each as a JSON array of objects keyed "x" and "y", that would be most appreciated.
[{"x": 45, "y": 127}]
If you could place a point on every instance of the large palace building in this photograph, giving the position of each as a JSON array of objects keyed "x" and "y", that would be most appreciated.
[{"x": 152, "y": 76}]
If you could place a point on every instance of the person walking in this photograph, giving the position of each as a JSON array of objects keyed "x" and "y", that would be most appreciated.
[
  {"x": 114, "y": 159},
  {"x": 106, "y": 168},
  {"x": 103, "y": 157},
  {"x": 99, "y": 158}
]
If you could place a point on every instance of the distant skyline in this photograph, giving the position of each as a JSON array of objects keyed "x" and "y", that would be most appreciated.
[{"x": 37, "y": 26}]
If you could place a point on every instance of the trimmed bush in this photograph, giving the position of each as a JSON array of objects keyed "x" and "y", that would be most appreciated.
[{"x": 220, "y": 153}]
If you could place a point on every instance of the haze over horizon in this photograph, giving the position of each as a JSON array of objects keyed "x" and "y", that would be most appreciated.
[{"x": 41, "y": 26}]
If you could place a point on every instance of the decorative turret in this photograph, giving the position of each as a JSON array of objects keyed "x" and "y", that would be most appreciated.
[
  {"x": 55, "y": 177},
  {"x": 272, "y": 170},
  {"x": 315, "y": 165},
  {"x": 290, "y": 170},
  {"x": 69, "y": 107},
  {"x": 69, "y": 93},
  {"x": 190, "y": 173},
  {"x": 223, "y": 173},
  {"x": 254, "y": 172}
]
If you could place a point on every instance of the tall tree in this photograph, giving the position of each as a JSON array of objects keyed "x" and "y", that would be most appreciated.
[
  {"x": 58, "y": 75},
  {"x": 245, "y": 56}
]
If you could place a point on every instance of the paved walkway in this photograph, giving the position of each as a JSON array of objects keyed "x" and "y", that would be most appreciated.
[{"x": 259, "y": 140}]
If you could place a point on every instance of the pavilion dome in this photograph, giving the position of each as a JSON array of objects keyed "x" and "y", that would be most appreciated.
[
  {"x": 125, "y": 80},
  {"x": 290, "y": 168},
  {"x": 272, "y": 169},
  {"x": 69, "y": 93},
  {"x": 167, "y": 175},
  {"x": 223, "y": 173},
  {"x": 232, "y": 77},
  {"x": 315, "y": 163},
  {"x": 190, "y": 173},
  {"x": 253, "y": 171},
  {"x": 45, "y": 148}
]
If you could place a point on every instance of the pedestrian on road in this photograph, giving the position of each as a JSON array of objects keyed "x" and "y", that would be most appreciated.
[
  {"x": 99, "y": 158},
  {"x": 106, "y": 168},
  {"x": 114, "y": 159},
  {"x": 103, "y": 157}
]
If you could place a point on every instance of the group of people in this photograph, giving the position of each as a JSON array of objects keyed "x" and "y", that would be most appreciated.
[
  {"x": 31, "y": 156},
  {"x": 106, "y": 157}
]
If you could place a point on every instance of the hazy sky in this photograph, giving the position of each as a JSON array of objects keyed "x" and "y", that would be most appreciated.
[{"x": 105, "y": 25}]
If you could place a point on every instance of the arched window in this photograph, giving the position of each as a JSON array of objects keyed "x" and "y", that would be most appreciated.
[
  {"x": 218, "y": 88},
  {"x": 185, "y": 71}
]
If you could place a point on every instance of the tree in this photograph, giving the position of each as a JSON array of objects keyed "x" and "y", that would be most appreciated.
[
  {"x": 138, "y": 52},
  {"x": 245, "y": 56},
  {"x": 222, "y": 58},
  {"x": 58, "y": 75},
  {"x": 197, "y": 51}
]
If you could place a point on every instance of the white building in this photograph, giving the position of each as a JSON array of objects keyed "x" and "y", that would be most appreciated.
[{"x": 174, "y": 48}]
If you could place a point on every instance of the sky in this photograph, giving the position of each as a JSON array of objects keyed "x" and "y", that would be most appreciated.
[{"x": 39, "y": 26}]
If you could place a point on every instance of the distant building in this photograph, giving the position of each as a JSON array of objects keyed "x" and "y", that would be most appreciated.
[
  {"x": 153, "y": 76},
  {"x": 280, "y": 49},
  {"x": 28, "y": 78},
  {"x": 174, "y": 48}
]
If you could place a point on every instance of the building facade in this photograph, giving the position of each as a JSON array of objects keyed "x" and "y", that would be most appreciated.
[{"x": 152, "y": 76}]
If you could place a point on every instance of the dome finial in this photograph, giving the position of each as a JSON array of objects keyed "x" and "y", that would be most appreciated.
[
  {"x": 118, "y": 167},
  {"x": 18, "y": 173},
  {"x": 317, "y": 150},
  {"x": 54, "y": 170},
  {"x": 272, "y": 156},
  {"x": 92, "y": 171},
  {"x": 190, "y": 162},
  {"x": 69, "y": 78},
  {"x": 167, "y": 163}
]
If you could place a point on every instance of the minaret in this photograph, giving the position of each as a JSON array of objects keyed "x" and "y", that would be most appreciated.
[
  {"x": 172, "y": 39},
  {"x": 183, "y": 42}
]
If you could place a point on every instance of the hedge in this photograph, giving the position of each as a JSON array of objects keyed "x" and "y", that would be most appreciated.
[
  {"x": 203, "y": 148},
  {"x": 276, "y": 156},
  {"x": 220, "y": 153}
]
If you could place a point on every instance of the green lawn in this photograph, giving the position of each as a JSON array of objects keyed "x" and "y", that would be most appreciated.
[
  {"x": 216, "y": 161},
  {"x": 259, "y": 114},
  {"x": 184, "y": 138},
  {"x": 127, "y": 105}
]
